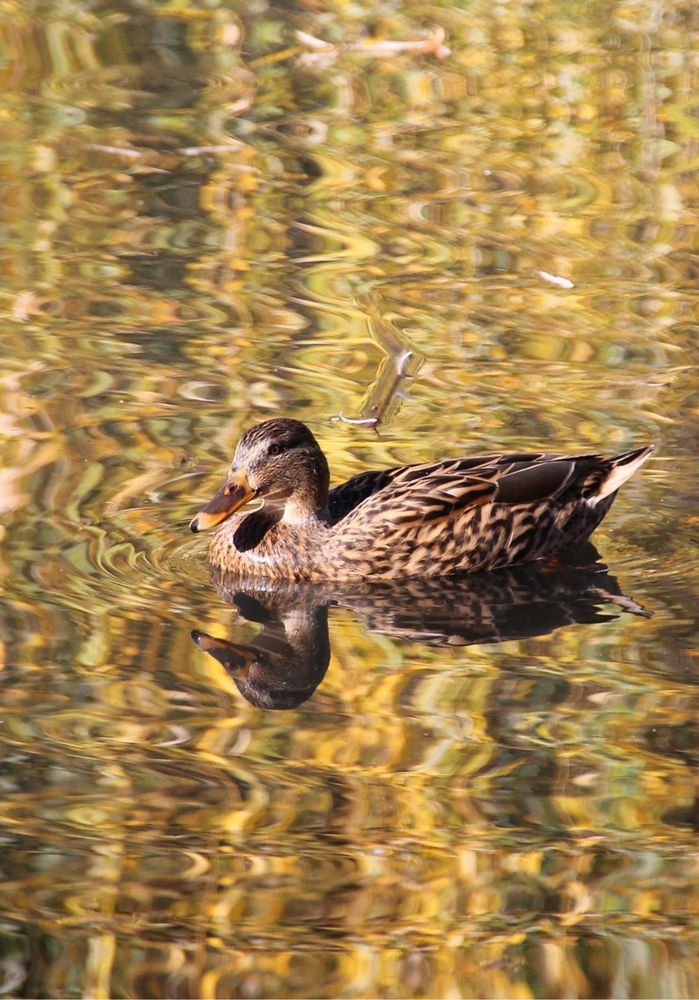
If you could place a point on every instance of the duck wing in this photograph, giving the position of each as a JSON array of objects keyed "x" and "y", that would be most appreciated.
[
  {"x": 347, "y": 496},
  {"x": 459, "y": 514},
  {"x": 444, "y": 488}
]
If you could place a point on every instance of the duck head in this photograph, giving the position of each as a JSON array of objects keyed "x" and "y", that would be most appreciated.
[{"x": 279, "y": 462}]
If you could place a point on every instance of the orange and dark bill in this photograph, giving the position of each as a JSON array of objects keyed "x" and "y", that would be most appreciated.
[{"x": 232, "y": 495}]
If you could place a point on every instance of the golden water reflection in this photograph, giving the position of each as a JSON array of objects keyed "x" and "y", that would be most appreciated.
[
  {"x": 202, "y": 227},
  {"x": 288, "y": 659}
]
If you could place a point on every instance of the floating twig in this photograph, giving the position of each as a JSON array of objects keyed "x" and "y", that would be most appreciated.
[
  {"x": 356, "y": 421},
  {"x": 322, "y": 53},
  {"x": 125, "y": 151},
  {"x": 398, "y": 364},
  {"x": 556, "y": 279}
]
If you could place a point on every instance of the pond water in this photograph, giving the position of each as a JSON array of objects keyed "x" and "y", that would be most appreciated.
[{"x": 470, "y": 789}]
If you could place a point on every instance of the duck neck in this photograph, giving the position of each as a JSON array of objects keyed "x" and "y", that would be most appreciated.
[
  {"x": 308, "y": 501},
  {"x": 299, "y": 514}
]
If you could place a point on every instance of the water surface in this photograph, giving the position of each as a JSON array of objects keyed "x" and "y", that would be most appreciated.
[{"x": 479, "y": 792}]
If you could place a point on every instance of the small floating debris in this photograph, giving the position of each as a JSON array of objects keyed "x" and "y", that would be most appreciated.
[
  {"x": 324, "y": 53},
  {"x": 229, "y": 147},
  {"x": 125, "y": 151},
  {"x": 402, "y": 361},
  {"x": 356, "y": 421},
  {"x": 311, "y": 42},
  {"x": 556, "y": 279}
]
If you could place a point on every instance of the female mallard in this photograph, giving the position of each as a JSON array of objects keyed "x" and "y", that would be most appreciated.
[{"x": 458, "y": 515}]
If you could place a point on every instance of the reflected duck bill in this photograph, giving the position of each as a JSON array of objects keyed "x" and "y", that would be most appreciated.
[
  {"x": 233, "y": 495},
  {"x": 234, "y": 657}
]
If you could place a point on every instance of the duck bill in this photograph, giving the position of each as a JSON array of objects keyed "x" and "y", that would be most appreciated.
[{"x": 233, "y": 494}]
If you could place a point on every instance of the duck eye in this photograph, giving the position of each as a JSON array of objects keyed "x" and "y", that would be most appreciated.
[{"x": 274, "y": 449}]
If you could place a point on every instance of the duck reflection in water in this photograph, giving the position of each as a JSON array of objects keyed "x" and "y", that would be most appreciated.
[{"x": 287, "y": 660}]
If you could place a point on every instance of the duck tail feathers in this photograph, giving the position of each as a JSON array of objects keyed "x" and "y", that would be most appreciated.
[{"x": 621, "y": 467}]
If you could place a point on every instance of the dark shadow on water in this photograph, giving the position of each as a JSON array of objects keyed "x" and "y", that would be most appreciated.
[{"x": 287, "y": 660}]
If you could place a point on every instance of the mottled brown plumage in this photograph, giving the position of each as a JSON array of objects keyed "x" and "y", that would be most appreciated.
[{"x": 457, "y": 515}]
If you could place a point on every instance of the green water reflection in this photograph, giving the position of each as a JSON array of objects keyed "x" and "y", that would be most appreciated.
[{"x": 206, "y": 222}]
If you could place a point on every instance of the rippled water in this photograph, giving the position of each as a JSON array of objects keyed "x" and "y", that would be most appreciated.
[{"x": 478, "y": 789}]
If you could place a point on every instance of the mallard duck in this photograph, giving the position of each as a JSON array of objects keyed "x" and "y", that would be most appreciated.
[{"x": 460, "y": 515}]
